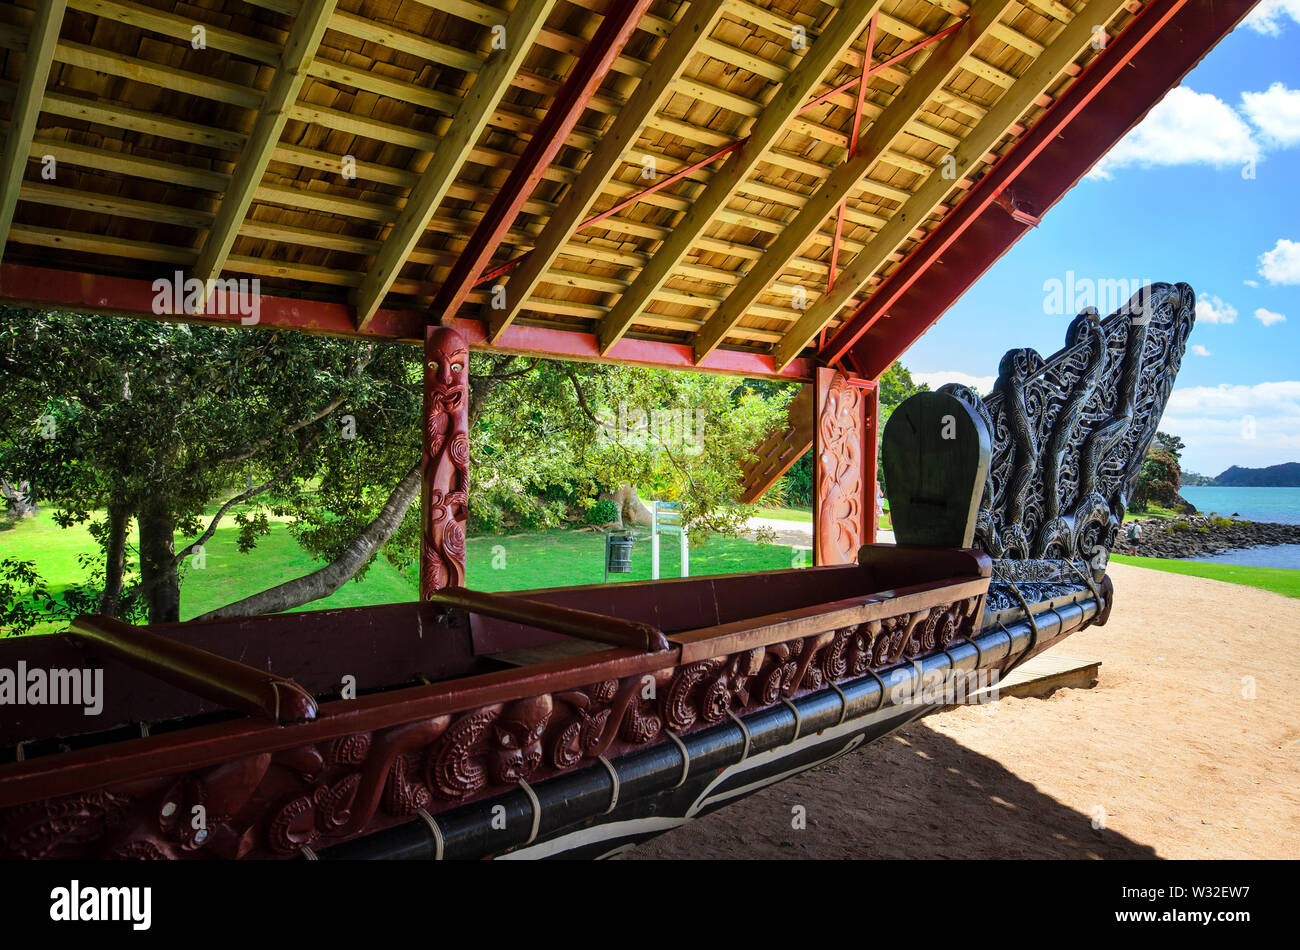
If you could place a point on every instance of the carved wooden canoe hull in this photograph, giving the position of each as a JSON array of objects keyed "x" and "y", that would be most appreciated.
[
  {"x": 600, "y": 810},
  {"x": 580, "y": 720},
  {"x": 213, "y": 783}
]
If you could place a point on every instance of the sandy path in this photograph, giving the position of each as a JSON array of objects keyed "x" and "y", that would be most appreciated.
[{"x": 1166, "y": 751}]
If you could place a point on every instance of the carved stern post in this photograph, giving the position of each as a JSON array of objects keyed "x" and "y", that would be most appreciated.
[{"x": 444, "y": 482}]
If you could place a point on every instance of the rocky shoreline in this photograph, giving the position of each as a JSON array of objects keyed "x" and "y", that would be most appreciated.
[{"x": 1196, "y": 535}]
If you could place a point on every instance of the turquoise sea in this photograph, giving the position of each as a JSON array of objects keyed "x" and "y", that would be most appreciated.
[{"x": 1279, "y": 505}]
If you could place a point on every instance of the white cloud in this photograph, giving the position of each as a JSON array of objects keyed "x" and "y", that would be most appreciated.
[
  {"x": 1236, "y": 424},
  {"x": 1268, "y": 317},
  {"x": 1226, "y": 399},
  {"x": 1184, "y": 128},
  {"x": 1251, "y": 283},
  {"x": 1200, "y": 350},
  {"x": 981, "y": 384},
  {"x": 1275, "y": 112},
  {"x": 1210, "y": 309},
  {"x": 1269, "y": 17},
  {"x": 1282, "y": 264}
]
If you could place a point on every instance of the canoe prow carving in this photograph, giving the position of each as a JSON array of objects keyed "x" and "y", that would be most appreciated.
[{"x": 1070, "y": 432}]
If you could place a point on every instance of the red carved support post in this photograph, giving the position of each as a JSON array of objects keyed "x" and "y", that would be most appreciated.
[
  {"x": 840, "y": 477},
  {"x": 444, "y": 482},
  {"x": 870, "y": 449}
]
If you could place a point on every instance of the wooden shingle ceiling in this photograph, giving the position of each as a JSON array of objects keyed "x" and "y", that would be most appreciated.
[{"x": 350, "y": 151}]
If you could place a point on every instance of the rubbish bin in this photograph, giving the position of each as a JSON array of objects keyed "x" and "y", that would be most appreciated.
[{"x": 618, "y": 554}]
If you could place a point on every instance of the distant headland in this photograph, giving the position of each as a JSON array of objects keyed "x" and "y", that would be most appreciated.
[{"x": 1284, "y": 475}]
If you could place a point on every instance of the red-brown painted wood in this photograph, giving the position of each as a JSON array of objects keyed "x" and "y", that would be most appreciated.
[
  {"x": 44, "y": 287},
  {"x": 839, "y": 502},
  {"x": 444, "y": 473}
]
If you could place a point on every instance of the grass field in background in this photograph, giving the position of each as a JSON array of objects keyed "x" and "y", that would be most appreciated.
[
  {"x": 566, "y": 558},
  {"x": 786, "y": 514},
  {"x": 1158, "y": 513},
  {"x": 805, "y": 515},
  {"x": 1280, "y": 580},
  {"x": 226, "y": 577},
  {"x": 554, "y": 558}
]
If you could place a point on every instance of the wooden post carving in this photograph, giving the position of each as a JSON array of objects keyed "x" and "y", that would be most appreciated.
[
  {"x": 444, "y": 483},
  {"x": 870, "y": 455},
  {"x": 841, "y": 505}
]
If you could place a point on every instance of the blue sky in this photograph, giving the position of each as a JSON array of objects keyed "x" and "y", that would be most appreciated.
[{"x": 1175, "y": 201}]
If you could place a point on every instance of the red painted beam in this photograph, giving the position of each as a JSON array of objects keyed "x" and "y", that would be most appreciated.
[
  {"x": 584, "y": 347},
  {"x": 1160, "y": 46},
  {"x": 562, "y": 115},
  {"x": 46, "y": 288}
]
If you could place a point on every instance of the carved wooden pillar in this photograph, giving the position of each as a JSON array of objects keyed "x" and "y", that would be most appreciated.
[
  {"x": 870, "y": 463},
  {"x": 843, "y": 511},
  {"x": 444, "y": 482}
]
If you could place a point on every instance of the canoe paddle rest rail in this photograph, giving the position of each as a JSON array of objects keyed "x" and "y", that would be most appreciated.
[
  {"x": 226, "y": 682},
  {"x": 582, "y": 624}
]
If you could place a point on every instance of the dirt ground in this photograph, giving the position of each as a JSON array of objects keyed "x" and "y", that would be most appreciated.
[{"x": 1187, "y": 747}]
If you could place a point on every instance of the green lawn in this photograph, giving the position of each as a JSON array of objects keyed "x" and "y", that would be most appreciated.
[
  {"x": 226, "y": 576},
  {"x": 555, "y": 558},
  {"x": 1158, "y": 513},
  {"x": 805, "y": 515},
  {"x": 565, "y": 558},
  {"x": 787, "y": 514},
  {"x": 1280, "y": 580}
]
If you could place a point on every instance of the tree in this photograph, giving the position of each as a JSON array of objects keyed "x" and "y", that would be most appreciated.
[
  {"x": 1161, "y": 476},
  {"x": 121, "y": 423},
  {"x": 562, "y": 436},
  {"x": 148, "y": 422},
  {"x": 1171, "y": 444},
  {"x": 896, "y": 384},
  {"x": 1158, "y": 482}
]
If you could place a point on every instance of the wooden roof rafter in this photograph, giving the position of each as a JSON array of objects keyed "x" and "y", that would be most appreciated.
[
  {"x": 844, "y": 27},
  {"x": 521, "y": 29},
  {"x": 27, "y": 106},
  {"x": 932, "y": 76},
  {"x": 308, "y": 29},
  {"x": 1072, "y": 40},
  {"x": 644, "y": 102}
]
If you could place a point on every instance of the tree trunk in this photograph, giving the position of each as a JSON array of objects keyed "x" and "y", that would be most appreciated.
[
  {"x": 631, "y": 507},
  {"x": 158, "y": 574},
  {"x": 332, "y": 576},
  {"x": 119, "y": 518},
  {"x": 19, "y": 496}
]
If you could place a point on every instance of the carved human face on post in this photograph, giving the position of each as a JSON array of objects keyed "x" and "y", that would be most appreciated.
[
  {"x": 445, "y": 473},
  {"x": 446, "y": 368}
]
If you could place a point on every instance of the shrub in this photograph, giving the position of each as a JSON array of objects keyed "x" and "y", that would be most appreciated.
[
  {"x": 1180, "y": 526},
  {"x": 602, "y": 512},
  {"x": 799, "y": 482}
]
